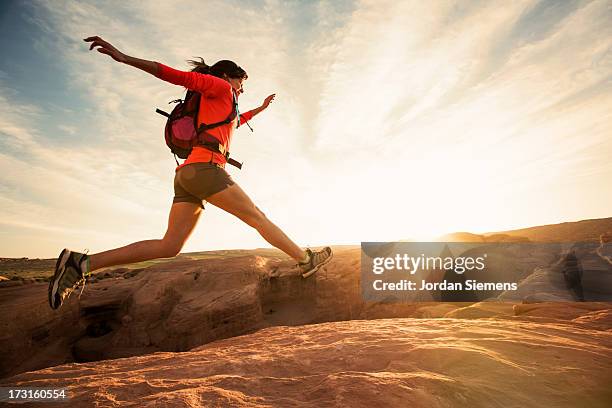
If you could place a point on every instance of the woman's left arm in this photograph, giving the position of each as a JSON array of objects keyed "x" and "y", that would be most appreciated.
[{"x": 249, "y": 115}]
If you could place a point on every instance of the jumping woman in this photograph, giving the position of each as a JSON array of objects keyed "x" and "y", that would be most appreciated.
[{"x": 201, "y": 178}]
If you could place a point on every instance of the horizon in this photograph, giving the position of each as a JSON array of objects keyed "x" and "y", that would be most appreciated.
[
  {"x": 406, "y": 239},
  {"x": 441, "y": 118}
]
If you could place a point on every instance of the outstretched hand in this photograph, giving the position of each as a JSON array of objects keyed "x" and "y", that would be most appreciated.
[
  {"x": 267, "y": 101},
  {"x": 105, "y": 48}
]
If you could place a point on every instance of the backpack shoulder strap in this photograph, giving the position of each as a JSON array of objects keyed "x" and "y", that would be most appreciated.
[
  {"x": 192, "y": 102},
  {"x": 203, "y": 127},
  {"x": 192, "y": 106}
]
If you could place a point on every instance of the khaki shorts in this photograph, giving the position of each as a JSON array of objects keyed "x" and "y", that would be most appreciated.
[{"x": 195, "y": 182}]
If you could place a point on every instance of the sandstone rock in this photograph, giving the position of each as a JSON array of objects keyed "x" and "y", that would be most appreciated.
[
  {"x": 184, "y": 303},
  {"x": 360, "y": 363}
]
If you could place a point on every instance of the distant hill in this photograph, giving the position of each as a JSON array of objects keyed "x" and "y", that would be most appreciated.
[
  {"x": 586, "y": 230},
  {"x": 470, "y": 237},
  {"x": 461, "y": 237}
]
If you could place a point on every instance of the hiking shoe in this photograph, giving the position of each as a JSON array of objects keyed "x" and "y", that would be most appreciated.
[
  {"x": 316, "y": 259},
  {"x": 68, "y": 276}
]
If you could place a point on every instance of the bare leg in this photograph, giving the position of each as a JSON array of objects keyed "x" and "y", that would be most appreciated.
[
  {"x": 235, "y": 201},
  {"x": 181, "y": 222}
]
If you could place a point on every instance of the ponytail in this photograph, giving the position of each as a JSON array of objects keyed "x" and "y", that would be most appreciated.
[
  {"x": 219, "y": 68},
  {"x": 199, "y": 66}
]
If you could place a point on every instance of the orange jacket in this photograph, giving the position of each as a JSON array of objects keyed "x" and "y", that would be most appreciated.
[{"x": 215, "y": 106}]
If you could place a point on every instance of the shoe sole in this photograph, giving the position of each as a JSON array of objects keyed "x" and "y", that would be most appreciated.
[
  {"x": 59, "y": 273},
  {"x": 316, "y": 268}
]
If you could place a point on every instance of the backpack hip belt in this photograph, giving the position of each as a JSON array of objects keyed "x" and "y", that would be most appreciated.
[{"x": 219, "y": 148}]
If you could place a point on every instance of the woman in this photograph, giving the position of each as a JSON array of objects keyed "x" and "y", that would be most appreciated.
[{"x": 201, "y": 178}]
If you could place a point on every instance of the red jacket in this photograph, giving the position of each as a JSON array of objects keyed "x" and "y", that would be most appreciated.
[{"x": 215, "y": 106}]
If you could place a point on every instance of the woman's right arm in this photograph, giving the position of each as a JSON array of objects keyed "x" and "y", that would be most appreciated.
[
  {"x": 106, "y": 48},
  {"x": 190, "y": 80}
]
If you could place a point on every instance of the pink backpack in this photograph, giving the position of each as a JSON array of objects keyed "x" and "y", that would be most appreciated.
[{"x": 182, "y": 132}]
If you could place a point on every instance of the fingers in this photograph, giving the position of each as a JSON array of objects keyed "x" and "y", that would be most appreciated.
[
  {"x": 96, "y": 42},
  {"x": 94, "y": 38}
]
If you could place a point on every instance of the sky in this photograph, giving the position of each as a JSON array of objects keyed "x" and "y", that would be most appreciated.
[{"x": 393, "y": 119}]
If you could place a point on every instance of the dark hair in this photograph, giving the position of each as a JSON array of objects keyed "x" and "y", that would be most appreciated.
[{"x": 219, "y": 68}]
